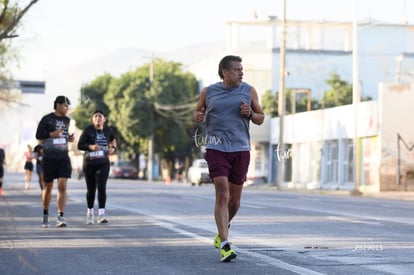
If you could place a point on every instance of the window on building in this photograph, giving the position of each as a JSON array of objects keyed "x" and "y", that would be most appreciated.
[
  {"x": 332, "y": 163},
  {"x": 348, "y": 161}
]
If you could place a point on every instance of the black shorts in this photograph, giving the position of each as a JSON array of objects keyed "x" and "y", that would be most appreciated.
[
  {"x": 1, "y": 171},
  {"x": 28, "y": 166},
  {"x": 56, "y": 168}
]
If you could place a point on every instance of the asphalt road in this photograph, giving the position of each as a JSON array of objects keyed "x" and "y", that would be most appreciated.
[{"x": 169, "y": 229}]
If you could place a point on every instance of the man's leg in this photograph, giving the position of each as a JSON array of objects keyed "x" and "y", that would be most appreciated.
[
  {"x": 234, "y": 200},
  {"x": 61, "y": 202},
  {"x": 232, "y": 207},
  {"x": 222, "y": 214},
  {"x": 47, "y": 194},
  {"x": 46, "y": 198},
  {"x": 40, "y": 177},
  {"x": 221, "y": 210},
  {"x": 1, "y": 186},
  {"x": 61, "y": 195}
]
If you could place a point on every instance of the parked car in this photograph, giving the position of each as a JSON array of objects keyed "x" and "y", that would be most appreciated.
[
  {"x": 123, "y": 169},
  {"x": 198, "y": 173}
]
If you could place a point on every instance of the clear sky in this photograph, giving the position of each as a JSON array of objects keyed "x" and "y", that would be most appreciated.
[{"x": 57, "y": 34}]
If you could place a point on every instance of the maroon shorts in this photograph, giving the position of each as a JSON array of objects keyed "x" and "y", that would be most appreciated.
[{"x": 233, "y": 165}]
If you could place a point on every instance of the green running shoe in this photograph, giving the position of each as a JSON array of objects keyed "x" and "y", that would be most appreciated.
[
  {"x": 217, "y": 241},
  {"x": 227, "y": 254}
]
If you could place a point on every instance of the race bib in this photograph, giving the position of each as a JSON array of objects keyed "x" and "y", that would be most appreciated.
[
  {"x": 96, "y": 154},
  {"x": 59, "y": 141}
]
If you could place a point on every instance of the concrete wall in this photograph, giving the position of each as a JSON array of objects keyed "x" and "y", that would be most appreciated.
[
  {"x": 327, "y": 124},
  {"x": 395, "y": 114},
  {"x": 321, "y": 147}
]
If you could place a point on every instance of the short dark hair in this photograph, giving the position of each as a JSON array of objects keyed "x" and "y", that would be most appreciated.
[
  {"x": 225, "y": 63},
  {"x": 99, "y": 111},
  {"x": 61, "y": 99},
  {"x": 37, "y": 148}
]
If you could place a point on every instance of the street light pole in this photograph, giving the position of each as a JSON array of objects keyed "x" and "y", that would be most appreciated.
[
  {"x": 150, "y": 168},
  {"x": 355, "y": 99},
  {"x": 399, "y": 60},
  {"x": 282, "y": 103}
]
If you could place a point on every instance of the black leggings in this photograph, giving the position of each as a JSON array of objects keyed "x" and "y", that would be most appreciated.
[{"x": 96, "y": 177}]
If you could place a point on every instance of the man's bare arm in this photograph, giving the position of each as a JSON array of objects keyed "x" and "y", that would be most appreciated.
[
  {"x": 257, "y": 116},
  {"x": 201, "y": 107}
]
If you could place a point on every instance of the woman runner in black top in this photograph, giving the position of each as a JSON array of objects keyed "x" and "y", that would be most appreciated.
[{"x": 98, "y": 142}]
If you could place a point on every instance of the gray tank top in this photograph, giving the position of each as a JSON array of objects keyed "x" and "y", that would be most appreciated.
[{"x": 226, "y": 129}]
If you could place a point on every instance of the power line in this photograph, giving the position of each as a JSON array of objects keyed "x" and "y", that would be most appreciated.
[{"x": 179, "y": 113}]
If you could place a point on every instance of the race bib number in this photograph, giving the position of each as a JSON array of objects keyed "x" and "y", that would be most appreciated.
[
  {"x": 59, "y": 141},
  {"x": 96, "y": 154}
]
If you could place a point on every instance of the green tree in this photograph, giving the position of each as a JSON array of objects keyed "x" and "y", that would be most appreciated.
[
  {"x": 10, "y": 16},
  {"x": 158, "y": 104},
  {"x": 269, "y": 103},
  {"x": 302, "y": 104},
  {"x": 91, "y": 99},
  {"x": 339, "y": 94},
  {"x": 127, "y": 100}
]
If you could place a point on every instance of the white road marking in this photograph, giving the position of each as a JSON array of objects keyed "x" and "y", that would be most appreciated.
[{"x": 162, "y": 222}]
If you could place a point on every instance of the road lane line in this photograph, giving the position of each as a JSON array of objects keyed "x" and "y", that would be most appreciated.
[{"x": 171, "y": 225}]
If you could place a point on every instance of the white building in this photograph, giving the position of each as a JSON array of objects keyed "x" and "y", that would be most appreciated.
[{"x": 320, "y": 144}]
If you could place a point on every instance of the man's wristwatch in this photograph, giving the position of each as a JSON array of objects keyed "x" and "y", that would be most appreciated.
[{"x": 251, "y": 114}]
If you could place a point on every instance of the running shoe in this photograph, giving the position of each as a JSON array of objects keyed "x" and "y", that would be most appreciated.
[
  {"x": 90, "y": 219},
  {"x": 1, "y": 191},
  {"x": 217, "y": 241},
  {"x": 60, "y": 222},
  {"x": 227, "y": 254},
  {"x": 102, "y": 219},
  {"x": 45, "y": 221}
]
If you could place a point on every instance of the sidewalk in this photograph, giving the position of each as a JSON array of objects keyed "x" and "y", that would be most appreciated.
[
  {"x": 13, "y": 179},
  {"x": 392, "y": 195}
]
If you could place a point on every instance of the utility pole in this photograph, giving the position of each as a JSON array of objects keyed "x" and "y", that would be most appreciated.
[
  {"x": 150, "y": 167},
  {"x": 399, "y": 58},
  {"x": 356, "y": 96},
  {"x": 282, "y": 101}
]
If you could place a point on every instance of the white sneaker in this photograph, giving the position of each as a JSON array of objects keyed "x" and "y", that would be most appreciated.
[
  {"x": 102, "y": 219},
  {"x": 60, "y": 222},
  {"x": 45, "y": 221},
  {"x": 90, "y": 218}
]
